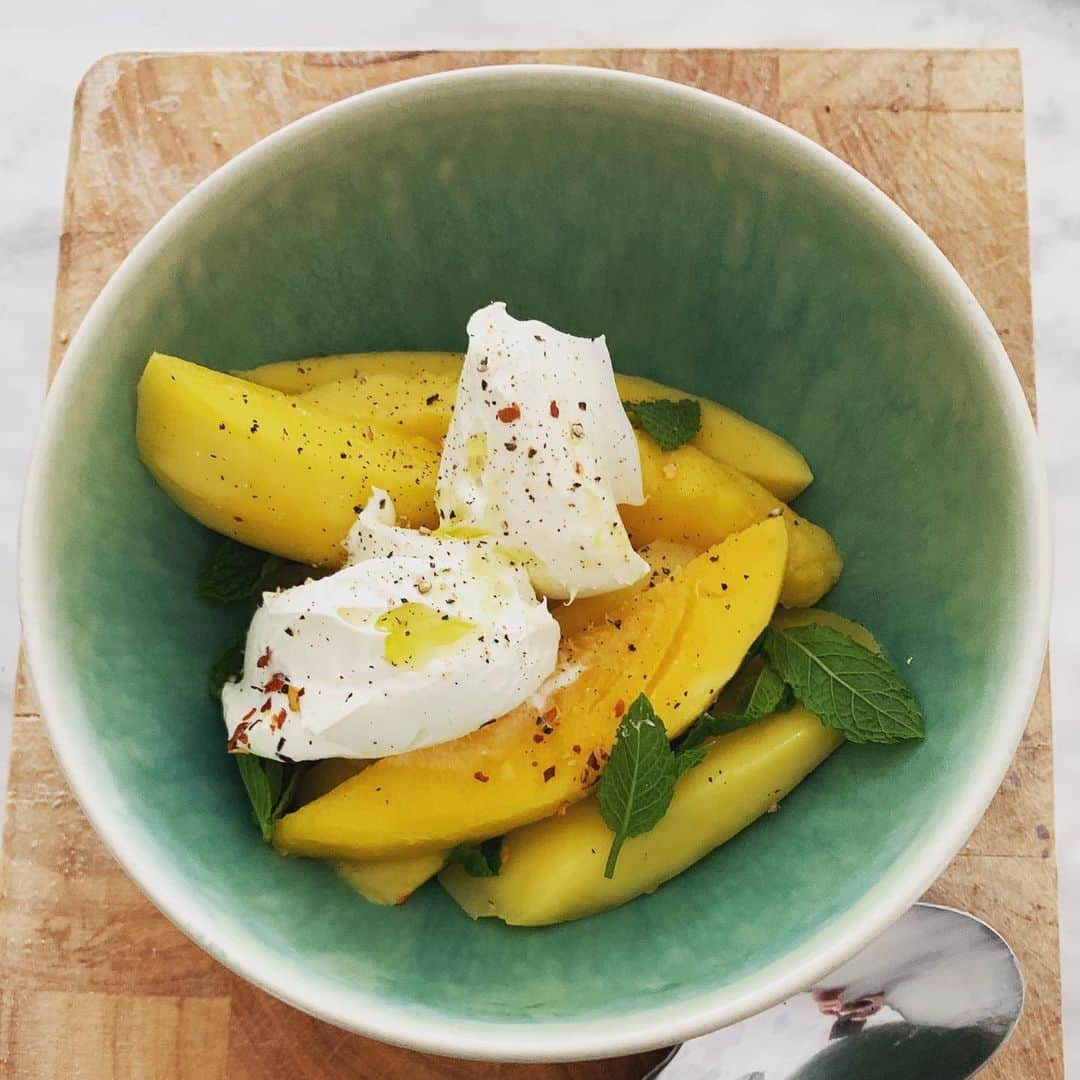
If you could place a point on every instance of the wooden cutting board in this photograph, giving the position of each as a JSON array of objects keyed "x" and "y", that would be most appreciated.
[{"x": 94, "y": 983}]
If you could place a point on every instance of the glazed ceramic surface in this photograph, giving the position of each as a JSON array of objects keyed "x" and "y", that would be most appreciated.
[{"x": 718, "y": 252}]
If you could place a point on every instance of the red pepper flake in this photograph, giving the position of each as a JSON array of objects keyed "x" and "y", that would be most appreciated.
[
  {"x": 538, "y": 738},
  {"x": 604, "y": 755},
  {"x": 278, "y": 720},
  {"x": 620, "y": 707},
  {"x": 549, "y": 773},
  {"x": 554, "y": 410},
  {"x": 576, "y": 748},
  {"x": 264, "y": 660},
  {"x": 481, "y": 776},
  {"x": 267, "y": 705},
  {"x": 239, "y": 738},
  {"x": 247, "y": 716},
  {"x": 275, "y": 683},
  {"x": 551, "y": 714},
  {"x": 593, "y": 763},
  {"x": 509, "y": 413}
]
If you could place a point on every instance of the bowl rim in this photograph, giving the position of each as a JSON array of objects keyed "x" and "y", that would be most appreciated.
[{"x": 633, "y": 1030}]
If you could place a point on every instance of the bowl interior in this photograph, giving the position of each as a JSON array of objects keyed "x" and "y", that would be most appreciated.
[{"x": 715, "y": 255}]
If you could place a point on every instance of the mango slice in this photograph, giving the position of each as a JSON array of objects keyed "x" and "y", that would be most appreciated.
[
  {"x": 679, "y": 642},
  {"x": 692, "y": 499},
  {"x": 418, "y": 404},
  {"x": 415, "y": 391},
  {"x": 257, "y": 465},
  {"x": 664, "y": 558},
  {"x": 821, "y": 617},
  {"x": 732, "y": 439},
  {"x": 386, "y": 883},
  {"x": 391, "y": 882},
  {"x": 298, "y": 376},
  {"x": 553, "y": 871},
  {"x": 324, "y": 776}
]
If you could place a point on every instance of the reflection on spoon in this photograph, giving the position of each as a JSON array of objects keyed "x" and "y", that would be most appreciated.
[{"x": 933, "y": 998}]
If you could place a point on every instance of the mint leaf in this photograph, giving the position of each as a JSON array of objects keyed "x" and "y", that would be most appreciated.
[
  {"x": 686, "y": 759},
  {"x": 227, "y": 667},
  {"x": 671, "y": 423},
  {"x": 270, "y": 787},
  {"x": 287, "y": 790},
  {"x": 709, "y": 725},
  {"x": 765, "y": 694},
  {"x": 639, "y": 779},
  {"x": 257, "y": 784},
  {"x": 234, "y": 572},
  {"x": 479, "y": 860},
  {"x": 846, "y": 685},
  {"x": 759, "y": 696}
]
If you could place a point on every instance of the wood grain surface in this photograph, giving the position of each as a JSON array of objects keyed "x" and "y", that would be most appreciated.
[{"x": 94, "y": 983}]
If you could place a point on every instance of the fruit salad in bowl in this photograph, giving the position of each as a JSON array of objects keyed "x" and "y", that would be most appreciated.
[
  {"x": 562, "y": 648},
  {"x": 571, "y": 708}
]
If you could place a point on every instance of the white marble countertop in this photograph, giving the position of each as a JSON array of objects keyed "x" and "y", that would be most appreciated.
[{"x": 49, "y": 44}]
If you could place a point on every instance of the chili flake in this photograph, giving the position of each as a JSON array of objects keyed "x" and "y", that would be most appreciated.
[
  {"x": 264, "y": 660},
  {"x": 553, "y": 408},
  {"x": 549, "y": 773},
  {"x": 278, "y": 720},
  {"x": 481, "y": 776},
  {"x": 239, "y": 738},
  {"x": 620, "y": 707},
  {"x": 509, "y": 413}
]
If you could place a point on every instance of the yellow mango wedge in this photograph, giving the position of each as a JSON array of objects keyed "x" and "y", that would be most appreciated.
[
  {"x": 257, "y": 465},
  {"x": 664, "y": 558},
  {"x": 324, "y": 776},
  {"x": 415, "y": 391},
  {"x": 386, "y": 883},
  {"x": 679, "y": 643},
  {"x": 821, "y": 617},
  {"x": 391, "y": 882},
  {"x": 297, "y": 376},
  {"x": 416, "y": 405},
  {"x": 692, "y": 499},
  {"x": 728, "y": 437},
  {"x": 553, "y": 870}
]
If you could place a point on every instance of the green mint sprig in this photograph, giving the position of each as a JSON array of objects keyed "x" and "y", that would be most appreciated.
[
  {"x": 228, "y": 666},
  {"x": 234, "y": 572},
  {"x": 671, "y": 423},
  {"x": 844, "y": 684},
  {"x": 270, "y": 786},
  {"x": 479, "y": 860},
  {"x": 639, "y": 778},
  {"x": 762, "y": 695}
]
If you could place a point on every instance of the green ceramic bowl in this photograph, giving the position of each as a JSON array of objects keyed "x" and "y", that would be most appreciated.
[{"x": 719, "y": 252}]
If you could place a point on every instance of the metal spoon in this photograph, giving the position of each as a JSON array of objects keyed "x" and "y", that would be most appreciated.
[{"x": 933, "y": 998}]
